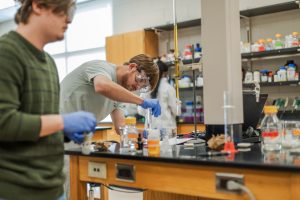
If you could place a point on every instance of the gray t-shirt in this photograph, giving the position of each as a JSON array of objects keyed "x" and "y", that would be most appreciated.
[{"x": 78, "y": 93}]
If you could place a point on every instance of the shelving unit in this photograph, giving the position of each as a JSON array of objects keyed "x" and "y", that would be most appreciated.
[
  {"x": 191, "y": 88},
  {"x": 266, "y": 84},
  {"x": 246, "y": 57},
  {"x": 286, "y": 6},
  {"x": 295, "y": 51},
  {"x": 286, "y": 83}
]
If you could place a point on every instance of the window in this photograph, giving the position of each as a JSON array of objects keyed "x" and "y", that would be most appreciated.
[{"x": 85, "y": 38}]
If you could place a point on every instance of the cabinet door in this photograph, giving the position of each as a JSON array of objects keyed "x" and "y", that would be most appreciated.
[
  {"x": 151, "y": 44},
  {"x": 120, "y": 48},
  {"x": 114, "y": 49},
  {"x": 133, "y": 44}
]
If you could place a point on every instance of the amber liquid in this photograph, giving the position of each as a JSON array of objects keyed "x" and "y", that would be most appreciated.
[{"x": 153, "y": 147}]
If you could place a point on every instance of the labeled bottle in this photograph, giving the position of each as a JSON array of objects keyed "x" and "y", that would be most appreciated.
[
  {"x": 278, "y": 43},
  {"x": 291, "y": 71},
  {"x": 271, "y": 129},
  {"x": 197, "y": 52}
]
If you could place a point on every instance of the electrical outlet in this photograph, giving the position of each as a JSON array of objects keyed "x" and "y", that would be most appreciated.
[
  {"x": 223, "y": 178},
  {"x": 97, "y": 170}
]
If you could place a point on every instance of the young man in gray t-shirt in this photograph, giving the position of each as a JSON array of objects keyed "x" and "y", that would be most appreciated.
[{"x": 99, "y": 87}]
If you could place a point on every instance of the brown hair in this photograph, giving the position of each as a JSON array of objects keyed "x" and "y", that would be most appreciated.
[
  {"x": 57, "y": 6},
  {"x": 146, "y": 64}
]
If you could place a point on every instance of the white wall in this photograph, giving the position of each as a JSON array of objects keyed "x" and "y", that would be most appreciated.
[
  {"x": 7, "y": 26},
  {"x": 131, "y": 15}
]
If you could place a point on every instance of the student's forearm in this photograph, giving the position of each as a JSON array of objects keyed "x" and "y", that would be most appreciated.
[
  {"x": 118, "y": 119},
  {"x": 118, "y": 93},
  {"x": 51, "y": 124}
]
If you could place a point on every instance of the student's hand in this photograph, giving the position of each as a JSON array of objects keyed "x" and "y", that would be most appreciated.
[
  {"x": 78, "y": 122},
  {"x": 153, "y": 104},
  {"x": 76, "y": 137}
]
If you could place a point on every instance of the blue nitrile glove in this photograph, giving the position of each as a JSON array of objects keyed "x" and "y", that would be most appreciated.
[
  {"x": 153, "y": 104},
  {"x": 76, "y": 137},
  {"x": 78, "y": 122}
]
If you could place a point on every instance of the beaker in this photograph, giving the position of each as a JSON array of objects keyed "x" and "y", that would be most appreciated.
[
  {"x": 291, "y": 134},
  {"x": 153, "y": 142}
]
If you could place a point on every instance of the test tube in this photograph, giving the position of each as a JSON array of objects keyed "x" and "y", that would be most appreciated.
[{"x": 148, "y": 119}]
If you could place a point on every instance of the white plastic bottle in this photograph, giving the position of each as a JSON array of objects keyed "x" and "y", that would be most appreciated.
[
  {"x": 291, "y": 71},
  {"x": 282, "y": 74}
]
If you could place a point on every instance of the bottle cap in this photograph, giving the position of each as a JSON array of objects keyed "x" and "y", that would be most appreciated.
[{"x": 270, "y": 109}]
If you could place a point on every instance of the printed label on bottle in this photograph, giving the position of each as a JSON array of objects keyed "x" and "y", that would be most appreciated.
[{"x": 271, "y": 134}]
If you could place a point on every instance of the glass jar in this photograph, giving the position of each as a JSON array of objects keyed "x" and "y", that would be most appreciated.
[
  {"x": 271, "y": 130},
  {"x": 129, "y": 135},
  {"x": 291, "y": 134}
]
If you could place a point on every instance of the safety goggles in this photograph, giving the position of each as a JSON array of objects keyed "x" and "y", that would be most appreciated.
[
  {"x": 71, "y": 12},
  {"x": 142, "y": 81}
]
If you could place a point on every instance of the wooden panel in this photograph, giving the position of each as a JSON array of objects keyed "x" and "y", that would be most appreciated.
[
  {"x": 150, "y": 195},
  {"x": 78, "y": 189},
  {"x": 151, "y": 44},
  {"x": 114, "y": 49},
  {"x": 133, "y": 44},
  {"x": 196, "y": 180},
  {"x": 295, "y": 187}
]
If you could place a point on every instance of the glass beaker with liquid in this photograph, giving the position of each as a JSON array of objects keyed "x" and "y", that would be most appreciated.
[
  {"x": 291, "y": 134},
  {"x": 153, "y": 142}
]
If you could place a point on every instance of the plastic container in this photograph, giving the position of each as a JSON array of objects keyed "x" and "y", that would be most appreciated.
[
  {"x": 256, "y": 76},
  {"x": 264, "y": 75},
  {"x": 282, "y": 74},
  {"x": 271, "y": 130},
  {"x": 291, "y": 71},
  {"x": 269, "y": 44},
  {"x": 197, "y": 52},
  {"x": 187, "y": 53},
  {"x": 278, "y": 43},
  {"x": 261, "y": 45}
]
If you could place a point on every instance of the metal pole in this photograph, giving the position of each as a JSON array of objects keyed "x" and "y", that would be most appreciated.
[
  {"x": 194, "y": 105},
  {"x": 176, "y": 62}
]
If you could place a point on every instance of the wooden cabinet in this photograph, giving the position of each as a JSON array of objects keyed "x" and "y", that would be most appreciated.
[{"x": 120, "y": 48}]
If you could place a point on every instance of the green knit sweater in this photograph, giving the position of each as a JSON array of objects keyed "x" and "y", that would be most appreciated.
[{"x": 30, "y": 167}]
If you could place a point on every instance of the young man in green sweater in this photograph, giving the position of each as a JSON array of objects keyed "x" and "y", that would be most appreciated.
[{"x": 31, "y": 130}]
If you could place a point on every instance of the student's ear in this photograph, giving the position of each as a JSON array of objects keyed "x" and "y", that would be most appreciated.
[
  {"x": 132, "y": 66},
  {"x": 36, "y": 8}
]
